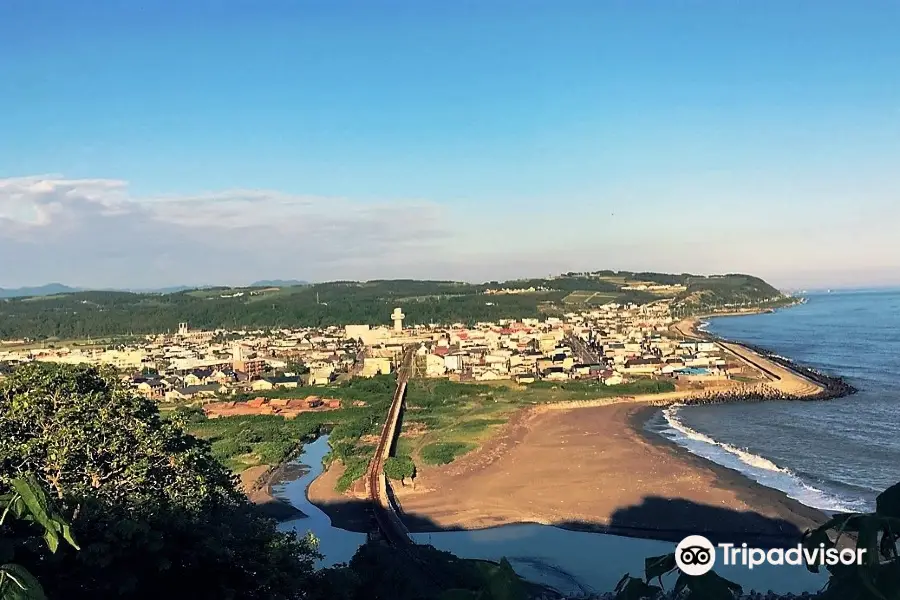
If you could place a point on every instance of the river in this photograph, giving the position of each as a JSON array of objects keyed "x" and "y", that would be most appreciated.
[{"x": 570, "y": 561}]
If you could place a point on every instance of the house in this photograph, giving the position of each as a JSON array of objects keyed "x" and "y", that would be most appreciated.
[
  {"x": 642, "y": 365},
  {"x": 321, "y": 375},
  {"x": 284, "y": 382},
  {"x": 261, "y": 385},
  {"x": 192, "y": 392},
  {"x": 270, "y": 383},
  {"x": 152, "y": 388},
  {"x": 434, "y": 365},
  {"x": 614, "y": 379},
  {"x": 376, "y": 366}
]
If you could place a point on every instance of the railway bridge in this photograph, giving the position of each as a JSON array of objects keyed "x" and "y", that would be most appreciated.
[{"x": 378, "y": 488}]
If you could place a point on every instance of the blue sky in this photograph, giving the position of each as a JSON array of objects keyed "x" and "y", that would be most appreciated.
[{"x": 155, "y": 143}]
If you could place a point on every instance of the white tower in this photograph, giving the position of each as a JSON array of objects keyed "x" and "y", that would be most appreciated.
[
  {"x": 237, "y": 353},
  {"x": 398, "y": 316},
  {"x": 182, "y": 329}
]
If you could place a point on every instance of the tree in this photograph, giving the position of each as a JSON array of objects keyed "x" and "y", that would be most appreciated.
[
  {"x": 878, "y": 534},
  {"x": 400, "y": 468},
  {"x": 154, "y": 512},
  {"x": 28, "y": 503},
  {"x": 878, "y": 578}
]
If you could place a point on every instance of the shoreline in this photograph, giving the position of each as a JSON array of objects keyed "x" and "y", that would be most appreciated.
[
  {"x": 349, "y": 515},
  {"x": 701, "y": 492},
  {"x": 256, "y": 483},
  {"x": 830, "y": 387}
]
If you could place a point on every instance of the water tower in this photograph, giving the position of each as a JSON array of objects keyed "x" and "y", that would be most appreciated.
[{"x": 398, "y": 316}]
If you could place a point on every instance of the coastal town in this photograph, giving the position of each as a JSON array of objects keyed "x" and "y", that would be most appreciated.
[{"x": 612, "y": 343}]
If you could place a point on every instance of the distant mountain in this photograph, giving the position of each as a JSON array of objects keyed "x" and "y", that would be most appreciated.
[
  {"x": 43, "y": 290},
  {"x": 52, "y": 289},
  {"x": 278, "y": 283}
]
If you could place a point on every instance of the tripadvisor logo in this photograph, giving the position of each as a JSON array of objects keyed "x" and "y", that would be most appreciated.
[{"x": 696, "y": 555}]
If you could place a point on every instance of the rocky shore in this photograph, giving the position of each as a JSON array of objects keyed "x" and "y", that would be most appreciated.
[{"x": 834, "y": 387}]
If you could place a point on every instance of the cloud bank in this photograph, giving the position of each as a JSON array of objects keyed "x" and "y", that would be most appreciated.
[{"x": 96, "y": 233}]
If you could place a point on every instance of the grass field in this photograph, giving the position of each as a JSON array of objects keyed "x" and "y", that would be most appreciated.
[
  {"x": 590, "y": 298},
  {"x": 442, "y": 421}
]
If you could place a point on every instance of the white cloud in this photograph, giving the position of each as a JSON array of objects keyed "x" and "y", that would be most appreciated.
[{"x": 93, "y": 232}]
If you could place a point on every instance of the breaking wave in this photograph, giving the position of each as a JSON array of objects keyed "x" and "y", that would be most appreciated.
[{"x": 758, "y": 468}]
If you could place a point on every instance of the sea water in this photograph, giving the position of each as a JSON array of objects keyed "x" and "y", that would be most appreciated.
[
  {"x": 834, "y": 455},
  {"x": 570, "y": 561}
]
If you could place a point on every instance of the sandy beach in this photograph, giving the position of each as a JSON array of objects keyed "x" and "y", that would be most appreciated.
[{"x": 592, "y": 468}]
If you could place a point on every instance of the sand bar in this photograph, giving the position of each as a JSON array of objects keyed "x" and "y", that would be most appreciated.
[{"x": 596, "y": 469}]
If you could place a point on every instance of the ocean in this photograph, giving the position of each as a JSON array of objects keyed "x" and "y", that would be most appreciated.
[{"x": 834, "y": 455}]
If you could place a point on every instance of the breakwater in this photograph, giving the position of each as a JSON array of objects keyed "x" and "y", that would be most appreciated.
[{"x": 833, "y": 387}]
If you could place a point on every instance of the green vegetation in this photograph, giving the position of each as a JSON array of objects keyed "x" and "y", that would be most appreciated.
[
  {"x": 354, "y": 468},
  {"x": 590, "y": 389},
  {"x": 876, "y": 533},
  {"x": 443, "y": 453},
  {"x": 28, "y": 503},
  {"x": 153, "y": 512},
  {"x": 81, "y": 315},
  {"x": 444, "y": 420},
  {"x": 400, "y": 468},
  {"x": 245, "y": 441}
]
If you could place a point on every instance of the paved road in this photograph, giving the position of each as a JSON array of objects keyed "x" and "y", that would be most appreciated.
[{"x": 582, "y": 351}]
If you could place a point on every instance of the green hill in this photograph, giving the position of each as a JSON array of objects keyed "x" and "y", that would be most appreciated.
[{"x": 79, "y": 315}]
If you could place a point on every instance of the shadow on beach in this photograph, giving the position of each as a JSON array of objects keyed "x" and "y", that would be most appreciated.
[
  {"x": 656, "y": 518},
  {"x": 569, "y": 556}
]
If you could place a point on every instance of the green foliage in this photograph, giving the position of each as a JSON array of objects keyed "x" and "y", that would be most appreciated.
[
  {"x": 243, "y": 441},
  {"x": 442, "y": 453},
  {"x": 400, "y": 468},
  {"x": 155, "y": 511},
  {"x": 589, "y": 389},
  {"x": 877, "y": 533},
  {"x": 709, "y": 586},
  {"x": 29, "y": 503},
  {"x": 16, "y": 583},
  {"x": 91, "y": 314},
  {"x": 354, "y": 468}
]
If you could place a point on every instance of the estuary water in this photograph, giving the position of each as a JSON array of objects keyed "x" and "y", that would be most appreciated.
[
  {"x": 570, "y": 561},
  {"x": 834, "y": 455}
]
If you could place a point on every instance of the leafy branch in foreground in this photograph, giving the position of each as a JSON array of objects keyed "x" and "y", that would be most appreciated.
[
  {"x": 28, "y": 503},
  {"x": 709, "y": 586},
  {"x": 878, "y": 578}
]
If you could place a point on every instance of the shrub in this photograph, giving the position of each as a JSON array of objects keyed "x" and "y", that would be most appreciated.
[
  {"x": 442, "y": 453},
  {"x": 400, "y": 467}
]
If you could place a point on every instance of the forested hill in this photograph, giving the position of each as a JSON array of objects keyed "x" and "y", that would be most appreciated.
[{"x": 101, "y": 313}]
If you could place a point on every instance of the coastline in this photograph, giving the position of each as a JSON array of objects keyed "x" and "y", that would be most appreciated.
[
  {"x": 517, "y": 478},
  {"x": 436, "y": 505}
]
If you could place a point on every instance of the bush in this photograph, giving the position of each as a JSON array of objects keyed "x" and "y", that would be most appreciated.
[
  {"x": 400, "y": 468},
  {"x": 153, "y": 512},
  {"x": 354, "y": 468},
  {"x": 442, "y": 453}
]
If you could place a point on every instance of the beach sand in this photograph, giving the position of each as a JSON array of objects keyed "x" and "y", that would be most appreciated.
[{"x": 592, "y": 468}]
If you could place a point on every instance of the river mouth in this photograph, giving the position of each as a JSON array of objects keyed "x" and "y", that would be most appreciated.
[{"x": 573, "y": 562}]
